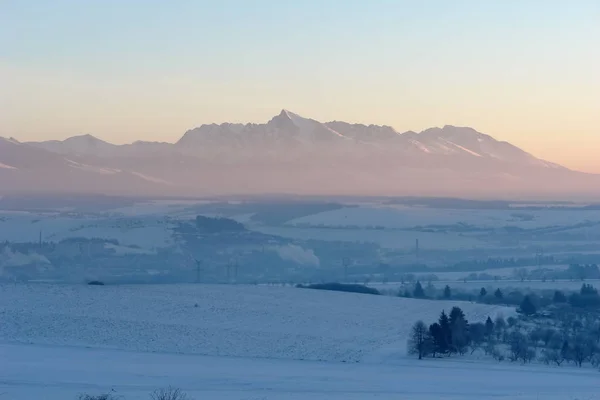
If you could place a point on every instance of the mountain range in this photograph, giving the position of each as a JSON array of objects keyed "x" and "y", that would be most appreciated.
[{"x": 290, "y": 154}]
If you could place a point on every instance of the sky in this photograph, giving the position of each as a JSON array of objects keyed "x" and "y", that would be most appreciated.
[{"x": 524, "y": 71}]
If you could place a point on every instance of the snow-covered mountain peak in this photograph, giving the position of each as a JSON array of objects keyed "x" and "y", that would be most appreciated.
[{"x": 10, "y": 140}]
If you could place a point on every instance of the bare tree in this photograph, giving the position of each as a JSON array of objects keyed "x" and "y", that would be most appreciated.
[
  {"x": 579, "y": 351},
  {"x": 169, "y": 393},
  {"x": 477, "y": 335},
  {"x": 419, "y": 341},
  {"x": 553, "y": 356},
  {"x": 104, "y": 396}
]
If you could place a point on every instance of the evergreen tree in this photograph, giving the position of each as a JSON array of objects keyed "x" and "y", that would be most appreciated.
[
  {"x": 447, "y": 292},
  {"x": 498, "y": 293},
  {"x": 482, "y": 292},
  {"x": 446, "y": 331},
  {"x": 456, "y": 314},
  {"x": 459, "y": 331},
  {"x": 559, "y": 297},
  {"x": 489, "y": 327},
  {"x": 439, "y": 345},
  {"x": 527, "y": 307},
  {"x": 419, "y": 293},
  {"x": 588, "y": 290}
]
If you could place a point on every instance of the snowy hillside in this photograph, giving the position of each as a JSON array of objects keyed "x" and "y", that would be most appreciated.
[
  {"x": 240, "y": 321},
  {"x": 242, "y": 343}
]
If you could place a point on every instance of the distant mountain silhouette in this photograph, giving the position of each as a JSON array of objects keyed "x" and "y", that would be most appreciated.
[{"x": 291, "y": 154}]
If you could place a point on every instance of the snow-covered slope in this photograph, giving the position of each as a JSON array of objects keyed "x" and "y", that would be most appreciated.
[
  {"x": 28, "y": 168},
  {"x": 465, "y": 141},
  {"x": 292, "y": 154},
  {"x": 242, "y": 343},
  {"x": 241, "y": 321}
]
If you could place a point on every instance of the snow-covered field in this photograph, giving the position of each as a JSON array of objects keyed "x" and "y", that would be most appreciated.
[
  {"x": 408, "y": 217},
  {"x": 58, "y": 373},
  {"x": 244, "y": 342},
  {"x": 390, "y": 239},
  {"x": 219, "y": 320},
  {"x": 502, "y": 273},
  {"x": 146, "y": 224},
  {"x": 148, "y": 232}
]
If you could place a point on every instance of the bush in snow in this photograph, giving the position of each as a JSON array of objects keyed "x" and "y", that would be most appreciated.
[
  {"x": 105, "y": 396},
  {"x": 169, "y": 393}
]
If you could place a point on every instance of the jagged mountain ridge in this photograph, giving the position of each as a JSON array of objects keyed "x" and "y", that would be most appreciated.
[
  {"x": 289, "y": 129},
  {"x": 293, "y": 154}
]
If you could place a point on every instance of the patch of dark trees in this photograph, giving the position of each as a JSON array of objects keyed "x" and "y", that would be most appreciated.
[
  {"x": 572, "y": 336},
  {"x": 341, "y": 287}
]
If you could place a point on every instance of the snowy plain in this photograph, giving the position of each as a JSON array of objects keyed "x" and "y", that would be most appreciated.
[
  {"x": 391, "y": 216},
  {"x": 228, "y": 342},
  {"x": 56, "y": 373},
  {"x": 220, "y": 320}
]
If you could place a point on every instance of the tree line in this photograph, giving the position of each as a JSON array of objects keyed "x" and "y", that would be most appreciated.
[
  {"x": 567, "y": 338},
  {"x": 530, "y": 303}
]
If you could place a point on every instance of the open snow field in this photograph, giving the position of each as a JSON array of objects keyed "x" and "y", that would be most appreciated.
[
  {"x": 55, "y": 373},
  {"x": 148, "y": 232},
  {"x": 239, "y": 321},
  {"x": 389, "y": 239},
  {"x": 391, "y": 216},
  {"x": 502, "y": 273},
  {"x": 245, "y": 342}
]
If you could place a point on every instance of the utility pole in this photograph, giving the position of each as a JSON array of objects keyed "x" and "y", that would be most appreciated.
[
  {"x": 417, "y": 249},
  {"x": 236, "y": 266},
  {"x": 198, "y": 269},
  {"x": 346, "y": 263}
]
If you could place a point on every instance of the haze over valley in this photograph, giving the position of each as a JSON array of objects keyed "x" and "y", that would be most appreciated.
[{"x": 299, "y": 200}]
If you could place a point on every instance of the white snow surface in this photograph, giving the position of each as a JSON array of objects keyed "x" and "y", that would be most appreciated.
[
  {"x": 58, "y": 373},
  {"x": 407, "y": 217},
  {"x": 245, "y": 343},
  {"x": 229, "y": 320},
  {"x": 148, "y": 231},
  {"x": 6, "y": 166}
]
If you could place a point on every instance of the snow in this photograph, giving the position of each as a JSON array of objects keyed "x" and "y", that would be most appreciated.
[
  {"x": 229, "y": 320},
  {"x": 409, "y": 217},
  {"x": 242, "y": 343},
  {"x": 146, "y": 231},
  {"x": 5, "y": 166},
  {"x": 149, "y": 178},
  {"x": 420, "y": 145},
  {"x": 462, "y": 148},
  {"x": 389, "y": 239},
  {"x": 59, "y": 373},
  {"x": 89, "y": 168}
]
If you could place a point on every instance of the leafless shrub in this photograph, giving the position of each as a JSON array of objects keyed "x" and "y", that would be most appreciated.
[
  {"x": 104, "y": 396},
  {"x": 169, "y": 393}
]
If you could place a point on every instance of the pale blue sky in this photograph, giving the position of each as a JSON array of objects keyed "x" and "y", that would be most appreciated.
[{"x": 522, "y": 71}]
